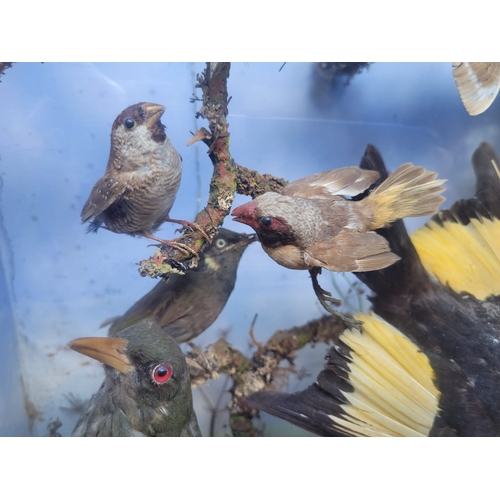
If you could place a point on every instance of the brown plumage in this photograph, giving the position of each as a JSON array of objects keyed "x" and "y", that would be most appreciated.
[
  {"x": 427, "y": 359},
  {"x": 144, "y": 170},
  {"x": 478, "y": 84},
  {"x": 186, "y": 305},
  {"x": 310, "y": 224}
]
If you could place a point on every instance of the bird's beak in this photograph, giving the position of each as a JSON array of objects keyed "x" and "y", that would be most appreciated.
[
  {"x": 246, "y": 214},
  {"x": 153, "y": 113},
  {"x": 107, "y": 350},
  {"x": 246, "y": 239}
]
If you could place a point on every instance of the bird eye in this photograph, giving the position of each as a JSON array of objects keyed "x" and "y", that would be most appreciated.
[
  {"x": 220, "y": 243},
  {"x": 162, "y": 373},
  {"x": 266, "y": 221},
  {"x": 129, "y": 123}
]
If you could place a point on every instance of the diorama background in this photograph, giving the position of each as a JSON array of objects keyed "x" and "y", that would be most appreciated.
[{"x": 58, "y": 283}]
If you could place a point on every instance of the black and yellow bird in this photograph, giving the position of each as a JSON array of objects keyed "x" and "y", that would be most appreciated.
[
  {"x": 147, "y": 389},
  {"x": 427, "y": 359},
  {"x": 186, "y": 305}
]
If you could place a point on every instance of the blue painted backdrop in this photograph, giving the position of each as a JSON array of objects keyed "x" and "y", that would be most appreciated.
[{"x": 58, "y": 283}]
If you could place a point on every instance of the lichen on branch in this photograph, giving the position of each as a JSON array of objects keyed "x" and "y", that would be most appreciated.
[
  {"x": 259, "y": 372},
  {"x": 227, "y": 178}
]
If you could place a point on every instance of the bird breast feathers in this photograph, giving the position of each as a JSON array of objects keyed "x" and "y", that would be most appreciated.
[{"x": 135, "y": 149}]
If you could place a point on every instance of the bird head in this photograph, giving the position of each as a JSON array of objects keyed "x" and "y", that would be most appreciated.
[
  {"x": 142, "y": 357},
  {"x": 269, "y": 216},
  {"x": 225, "y": 251},
  {"x": 138, "y": 128}
]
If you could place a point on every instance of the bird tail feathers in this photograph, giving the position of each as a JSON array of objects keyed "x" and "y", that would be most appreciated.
[
  {"x": 460, "y": 247},
  {"x": 411, "y": 191},
  {"x": 376, "y": 383}
]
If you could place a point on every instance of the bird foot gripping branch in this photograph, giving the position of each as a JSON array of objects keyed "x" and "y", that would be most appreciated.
[
  {"x": 325, "y": 298},
  {"x": 213, "y": 83},
  {"x": 227, "y": 177},
  {"x": 314, "y": 223},
  {"x": 428, "y": 360},
  {"x": 173, "y": 244}
]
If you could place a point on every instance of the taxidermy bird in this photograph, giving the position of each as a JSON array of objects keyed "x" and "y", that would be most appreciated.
[
  {"x": 311, "y": 225},
  {"x": 185, "y": 306},
  {"x": 426, "y": 361},
  {"x": 147, "y": 389},
  {"x": 142, "y": 178}
]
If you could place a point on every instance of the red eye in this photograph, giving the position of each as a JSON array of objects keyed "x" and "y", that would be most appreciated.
[{"x": 162, "y": 373}]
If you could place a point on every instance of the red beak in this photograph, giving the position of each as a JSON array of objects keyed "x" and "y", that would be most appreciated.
[{"x": 246, "y": 214}]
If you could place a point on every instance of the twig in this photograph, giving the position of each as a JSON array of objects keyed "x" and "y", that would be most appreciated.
[
  {"x": 251, "y": 183},
  {"x": 258, "y": 372},
  {"x": 4, "y": 66}
]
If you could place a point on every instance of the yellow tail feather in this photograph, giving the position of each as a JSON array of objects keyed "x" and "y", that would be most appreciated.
[
  {"x": 394, "y": 393},
  {"x": 410, "y": 191},
  {"x": 464, "y": 257}
]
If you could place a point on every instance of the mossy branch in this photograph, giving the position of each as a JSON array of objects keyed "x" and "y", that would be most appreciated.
[
  {"x": 259, "y": 372},
  {"x": 227, "y": 178}
]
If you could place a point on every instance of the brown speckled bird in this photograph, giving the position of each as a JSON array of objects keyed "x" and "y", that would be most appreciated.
[
  {"x": 185, "y": 306},
  {"x": 144, "y": 170}
]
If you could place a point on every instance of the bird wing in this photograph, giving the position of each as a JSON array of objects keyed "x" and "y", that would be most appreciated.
[
  {"x": 166, "y": 303},
  {"x": 460, "y": 247},
  {"x": 478, "y": 84},
  {"x": 375, "y": 383},
  {"x": 156, "y": 304},
  {"x": 347, "y": 181},
  {"x": 105, "y": 192},
  {"x": 351, "y": 251}
]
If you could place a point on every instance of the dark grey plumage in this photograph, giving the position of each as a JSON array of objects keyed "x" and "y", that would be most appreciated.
[
  {"x": 186, "y": 305},
  {"x": 147, "y": 389}
]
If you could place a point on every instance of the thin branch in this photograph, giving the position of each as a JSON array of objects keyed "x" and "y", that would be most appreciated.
[
  {"x": 258, "y": 372},
  {"x": 251, "y": 183},
  {"x": 4, "y": 66}
]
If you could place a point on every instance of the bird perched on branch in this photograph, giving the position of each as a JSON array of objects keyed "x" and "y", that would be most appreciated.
[
  {"x": 142, "y": 178},
  {"x": 312, "y": 225},
  {"x": 147, "y": 389},
  {"x": 186, "y": 305},
  {"x": 427, "y": 360}
]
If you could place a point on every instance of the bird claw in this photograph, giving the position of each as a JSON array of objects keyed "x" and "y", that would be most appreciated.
[
  {"x": 349, "y": 321},
  {"x": 325, "y": 297},
  {"x": 172, "y": 243},
  {"x": 192, "y": 226}
]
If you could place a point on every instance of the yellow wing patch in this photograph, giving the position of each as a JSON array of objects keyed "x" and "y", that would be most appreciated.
[
  {"x": 464, "y": 257},
  {"x": 394, "y": 393}
]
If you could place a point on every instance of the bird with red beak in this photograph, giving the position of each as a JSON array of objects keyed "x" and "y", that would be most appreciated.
[{"x": 314, "y": 223}]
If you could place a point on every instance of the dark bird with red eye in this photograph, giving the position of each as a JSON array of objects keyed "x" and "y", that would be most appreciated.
[
  {"x": 147, "y": 389},
  {"x": 142, "y": 177},
  {"x": 311, "y": 225}
]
